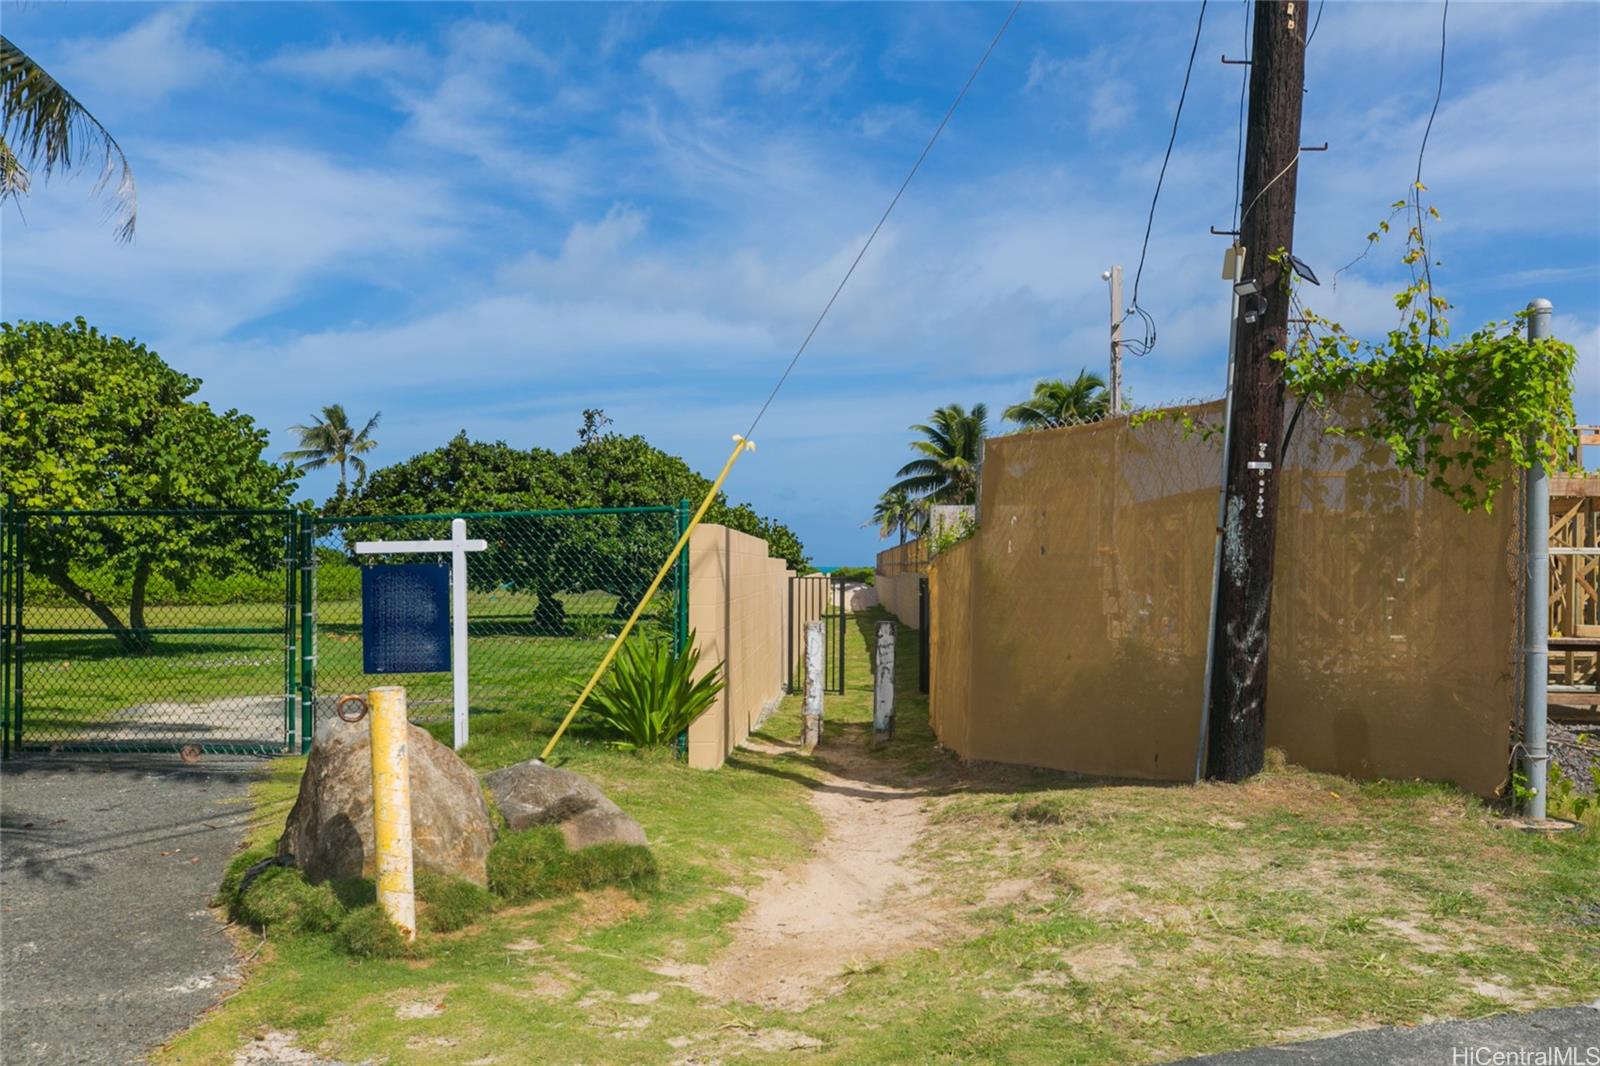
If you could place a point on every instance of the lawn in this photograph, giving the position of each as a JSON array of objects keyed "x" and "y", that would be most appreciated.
[{"x": 1076, "y": 921}]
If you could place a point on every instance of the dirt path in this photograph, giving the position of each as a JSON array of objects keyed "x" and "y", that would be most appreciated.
[{"x": 857, "y": 900}]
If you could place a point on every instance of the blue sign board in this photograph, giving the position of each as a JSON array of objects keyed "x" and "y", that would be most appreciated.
[{"x": 405, "y": 618}]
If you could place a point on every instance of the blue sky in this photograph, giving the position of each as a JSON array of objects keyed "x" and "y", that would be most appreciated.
[{"x": 490, "y": 217}]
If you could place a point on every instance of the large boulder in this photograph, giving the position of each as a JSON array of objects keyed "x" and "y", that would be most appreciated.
[
  {"x": 531, "y": 793},
  {"x": 329, "y": 832}
]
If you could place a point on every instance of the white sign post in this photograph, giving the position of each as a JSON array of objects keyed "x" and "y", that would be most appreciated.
[{"x": 458, "y": 545}]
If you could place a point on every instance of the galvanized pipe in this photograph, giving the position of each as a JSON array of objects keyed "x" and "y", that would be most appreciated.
[{"x": 1536, "y": 611}]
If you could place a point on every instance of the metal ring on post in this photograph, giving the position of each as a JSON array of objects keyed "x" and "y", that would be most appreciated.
[{"x": 338, "y": 708}]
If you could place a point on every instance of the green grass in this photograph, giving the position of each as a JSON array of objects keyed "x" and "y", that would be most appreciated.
[{"x": 1083, "y": 923}]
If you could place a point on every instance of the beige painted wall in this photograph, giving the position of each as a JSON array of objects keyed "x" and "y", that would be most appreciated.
[
  {"x": 739, "y": 602},
  {"x": 899, "y": 595},
  {"x": 1070, "y": 631}
]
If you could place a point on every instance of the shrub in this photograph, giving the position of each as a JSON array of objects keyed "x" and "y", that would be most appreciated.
[
  {"x": 650, "y": 694},
  {"x": 535, "y": 864},
  {"x": 865, "y": 574},
  {"x": 367, "y": 933},
  {"x": 446, "y": 903}
]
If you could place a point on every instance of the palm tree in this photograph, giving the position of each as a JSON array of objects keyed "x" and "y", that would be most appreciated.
[
  {"x": 43, "y": 127},
  {"x": 947, "y": 470},
  {"x": 330, "y": 439},
  {"x": 1061, "y": 403},
  {"x": 897, "y": 512}
]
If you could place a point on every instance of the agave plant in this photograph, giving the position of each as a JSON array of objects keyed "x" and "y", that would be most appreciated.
[{"x": 650, "y": 695}]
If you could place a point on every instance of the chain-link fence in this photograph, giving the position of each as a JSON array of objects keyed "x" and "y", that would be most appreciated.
[
  {"x": 545, "y": 598},
  {"x": 126, "y": 630},
  {"x": 237, "y": 630}
]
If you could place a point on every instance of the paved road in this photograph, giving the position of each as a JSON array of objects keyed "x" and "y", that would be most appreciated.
[
  {"x": 107, "y": 864},
  {"x": 1573, "y": 1032}
]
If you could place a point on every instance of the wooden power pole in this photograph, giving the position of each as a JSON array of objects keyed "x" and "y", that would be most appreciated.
[{"x": 1236, "y": 734}]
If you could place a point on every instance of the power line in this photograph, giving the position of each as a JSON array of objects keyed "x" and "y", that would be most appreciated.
[
  {"x": 1416, "y": 185},
  {"x": 1143, "y": 346},
  {"x": 1238, "y": 151},
  {"x": 885, "y": 217}
]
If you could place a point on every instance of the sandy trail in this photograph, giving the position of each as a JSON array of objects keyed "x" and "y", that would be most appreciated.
[{"x": 857, "y": 899}]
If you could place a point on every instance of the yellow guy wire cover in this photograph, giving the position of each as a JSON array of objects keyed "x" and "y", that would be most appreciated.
[{"x": 740, "y": 446}]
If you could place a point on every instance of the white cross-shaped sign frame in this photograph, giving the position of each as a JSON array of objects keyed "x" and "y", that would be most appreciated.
[{"x": 457, "y": 546}]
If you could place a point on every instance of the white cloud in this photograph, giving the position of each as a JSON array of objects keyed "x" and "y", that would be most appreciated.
[
  {"x": 227, "y": 235},
  {"x": 144, "y": 64},
  {"x": 699, "y": 74},
  {"x": 342, "y": 62}
]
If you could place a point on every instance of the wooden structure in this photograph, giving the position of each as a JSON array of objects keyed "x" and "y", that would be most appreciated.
[{"x": 1575, "y": 589}]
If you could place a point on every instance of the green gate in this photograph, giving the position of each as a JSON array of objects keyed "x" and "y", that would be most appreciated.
[
  {"x": 124, "y": 630},
  {"x": 237, "y": 630}
]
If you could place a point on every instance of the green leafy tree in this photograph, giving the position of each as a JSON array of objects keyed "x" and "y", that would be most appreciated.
[
  {"x": 897, "y": 512},
  {"x": 44, "y": 128},
  {"x": 946, "y": 469},
  {"x": 332, "y": 439},
  {"x": 92, "y": 421},
  {"x": 1062, "y": 403},
  {"x": 617, "y": 553}
]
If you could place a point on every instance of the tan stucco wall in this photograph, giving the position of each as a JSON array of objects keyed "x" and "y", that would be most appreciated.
[
  {"x": 899, "y": 594},
  {"x": 1081, "y": 607},
  {"x": 738, "y": 603}
]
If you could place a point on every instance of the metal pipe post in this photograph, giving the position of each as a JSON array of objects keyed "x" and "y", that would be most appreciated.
[
  {"x": 391, "y": 807},
  {"x": 1236, "y": 263},
  {"x": 1536, "y": 611}
]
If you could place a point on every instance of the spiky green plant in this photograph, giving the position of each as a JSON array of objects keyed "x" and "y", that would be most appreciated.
[{"x": 650, "y": 695}]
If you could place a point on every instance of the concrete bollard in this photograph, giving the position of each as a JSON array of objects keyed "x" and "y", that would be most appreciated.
[
  {"x": 391, "y": 807},
  {"x": 883, "y": 683},
  {"x": 811, "y": 721}
]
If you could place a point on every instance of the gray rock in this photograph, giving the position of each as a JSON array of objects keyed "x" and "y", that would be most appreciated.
[
  {"x": 530, "y": 794},
  {"x": 598, "y": 826},
  {"x": 329, "y": 831}
]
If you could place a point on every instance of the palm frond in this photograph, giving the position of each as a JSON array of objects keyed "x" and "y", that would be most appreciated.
[{"x": 44, "y": 127}]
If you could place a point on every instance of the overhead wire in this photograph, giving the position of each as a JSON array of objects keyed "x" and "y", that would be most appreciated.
[
  {"x": 1143, "y": 345},
  {"x": 1416, "y": 185},
  {"x": 1238, "y": 151},
  {"x": 943, "y": 122}
]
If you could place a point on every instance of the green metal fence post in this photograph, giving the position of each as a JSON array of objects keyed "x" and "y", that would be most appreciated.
[
  {"x": 681, "y": 623},
  {"x": 291, "y": 689},
  {"x": 308, "y": 630},
  {"x": 20, "y": 544},
  {"x": 5, "y": 628}
]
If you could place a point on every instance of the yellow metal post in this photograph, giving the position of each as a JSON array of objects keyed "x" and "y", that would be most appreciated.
[{"x": 391, "y": 807}]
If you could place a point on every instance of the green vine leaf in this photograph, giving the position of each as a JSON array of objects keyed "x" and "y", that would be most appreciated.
[{"x": 1460, "y": 415}]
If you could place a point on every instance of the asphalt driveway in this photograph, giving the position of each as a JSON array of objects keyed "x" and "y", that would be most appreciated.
[
  {"x": 107, "y": 864},
  {"x": 1567, "y": 1035}
]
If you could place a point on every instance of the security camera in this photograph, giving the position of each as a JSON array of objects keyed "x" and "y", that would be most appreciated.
[{"x": 1105, "y": 275}]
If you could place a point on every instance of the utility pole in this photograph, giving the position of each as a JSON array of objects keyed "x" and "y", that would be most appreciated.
[
  {"x": 1236, "y": 737},
  {"x": 1114, "y": 276}
]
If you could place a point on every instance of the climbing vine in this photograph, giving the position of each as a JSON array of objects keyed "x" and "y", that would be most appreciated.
[{"x": 1459, "y": 414}]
